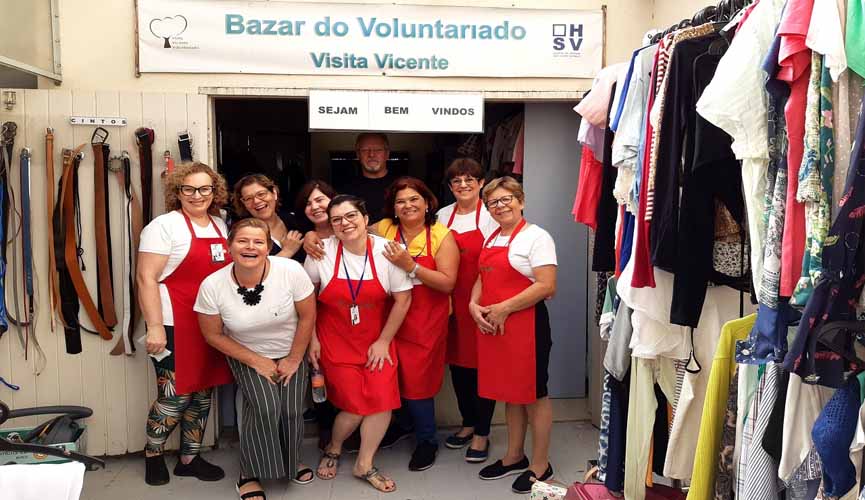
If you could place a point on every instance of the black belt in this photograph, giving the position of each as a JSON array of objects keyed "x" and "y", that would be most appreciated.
[{"x": 145, "y": 138}]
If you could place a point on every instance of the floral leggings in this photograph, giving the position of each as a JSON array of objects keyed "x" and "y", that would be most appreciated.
[{"x": 191, "y": 410}]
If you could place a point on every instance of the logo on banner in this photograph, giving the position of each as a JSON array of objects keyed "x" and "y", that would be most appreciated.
[
  {"x": 567, "y": 40},
  {"x": 170, "y": 29}
]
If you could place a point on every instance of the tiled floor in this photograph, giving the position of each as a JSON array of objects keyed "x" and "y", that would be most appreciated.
[{"x": 451, "y": 478}]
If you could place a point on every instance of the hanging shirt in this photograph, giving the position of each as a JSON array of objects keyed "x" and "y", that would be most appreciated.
[
  {"x": 585, "y": 209},
  {"x": 595, "y": 106},
  {"x": 826, "y": 36},
  {"x": 855, "y": 41}
]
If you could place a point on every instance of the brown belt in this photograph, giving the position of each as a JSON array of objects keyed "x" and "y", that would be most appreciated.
[
  {"x": 105, "y": 288},
  {"x": 49, "y": 181},
  {"x": 70, "y": 253}
]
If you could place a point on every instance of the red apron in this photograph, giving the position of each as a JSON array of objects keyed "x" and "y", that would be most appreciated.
[
  {"x": 350, "y": 385},
  {"x": 197, "y": 366},
  {"x": 506, "y": 363},
  {"x": 462, "y": 339},
  {"x": 422, "y": 339}
]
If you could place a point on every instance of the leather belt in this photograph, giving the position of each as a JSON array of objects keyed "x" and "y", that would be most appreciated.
[
  {"x": 105, "y": 288},
  {"x": 70, "y": 273},
  {"x": 145, "y": 137},
  {"x": 131, "y": 230},
  {"x": 7, "y": 140},
  {"x": 54, "y": 290}
]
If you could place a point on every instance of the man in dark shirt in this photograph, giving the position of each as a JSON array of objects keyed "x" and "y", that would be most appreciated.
[{"x": 372, "y": 150}]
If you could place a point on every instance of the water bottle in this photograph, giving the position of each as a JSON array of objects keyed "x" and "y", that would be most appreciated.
[{"x": 319, "y": 391}]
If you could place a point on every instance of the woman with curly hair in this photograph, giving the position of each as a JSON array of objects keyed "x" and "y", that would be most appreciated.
[{"x": 177, "y": 251}]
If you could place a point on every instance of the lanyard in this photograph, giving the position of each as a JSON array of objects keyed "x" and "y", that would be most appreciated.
[
  {"x": 414, "y": 257},
  {"x": 355, "y": 293}
]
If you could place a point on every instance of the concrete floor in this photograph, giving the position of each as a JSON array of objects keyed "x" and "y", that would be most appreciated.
[{"x": 451, "y": 478}]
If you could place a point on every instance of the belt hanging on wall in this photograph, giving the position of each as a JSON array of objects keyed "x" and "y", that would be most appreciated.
[
  {"x": 184, "y": 145},
  {"x": 68, "y": 253},
  {"x": 7, "y": 141},
  {"x": 145, "y": 137},
  {"x": 129, "y": 236},
  {"x": 105, "y": 287},
  {"x": 54, "y": 290},
  {"x": 25, "y": 317}
]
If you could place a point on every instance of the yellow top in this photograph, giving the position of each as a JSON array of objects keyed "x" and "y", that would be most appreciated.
[
  {"x": 714, "y": 409},
  {"x": 387, "y": 229}
]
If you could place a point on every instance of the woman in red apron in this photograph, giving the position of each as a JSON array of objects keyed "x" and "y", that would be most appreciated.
[
  {"x": 517, "y": 272},
  {"x": 470, "y": 223},
  {"x": 429, "y": 254},
  {"x": 177, "y": 251},
  {"x": 355, "y": 325}
]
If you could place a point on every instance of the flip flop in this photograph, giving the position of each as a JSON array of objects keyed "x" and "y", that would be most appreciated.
[
  {"x": 302, "y": 472},
  {"x": 332, "y": 462},
  {"x": 377, "y": 480}
]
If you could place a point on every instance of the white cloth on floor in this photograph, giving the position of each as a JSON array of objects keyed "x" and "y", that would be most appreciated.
[{"x": 42, "y": 481}]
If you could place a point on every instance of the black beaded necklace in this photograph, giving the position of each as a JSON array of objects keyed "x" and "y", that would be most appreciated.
[{"x": 250, "y": 297}]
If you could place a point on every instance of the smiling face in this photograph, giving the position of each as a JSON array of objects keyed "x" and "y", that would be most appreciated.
[
  {"x": 347, "y": 222},
  {"x": 505, "y": 208},
  {"x": 466, "y": 188},
  {"x": 196, "y": 205},
  {"x": 259, "y": 201},
  {"x": 409, "y": 206},
  {"x": 373, "y": 152},
  {"x": 249, "y": 247},
  {"x": 316, "y": 207}
]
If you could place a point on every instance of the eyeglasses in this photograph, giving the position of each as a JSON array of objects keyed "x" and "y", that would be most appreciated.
[
  {"x": 468, "y": 181},
  {"x": 503, "y": 201},
  {"x": 371, "y": 151},
  {"x": 261, "y": 195},
  {"x": 349, "y": 217},
  {"x": 187, "y": 190}
]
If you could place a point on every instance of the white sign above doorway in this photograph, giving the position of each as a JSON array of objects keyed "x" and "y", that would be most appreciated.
[{"x": 396, "y": 111}]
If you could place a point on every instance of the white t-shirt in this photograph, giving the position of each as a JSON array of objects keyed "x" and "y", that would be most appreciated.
[
  {"x": 466, "y": 222},
  {"x": 267, "y": 328},
  {"x": 168, "y": 235},
  {"x": 532, "y": 247},
  {"x": 392, "y": 278}
]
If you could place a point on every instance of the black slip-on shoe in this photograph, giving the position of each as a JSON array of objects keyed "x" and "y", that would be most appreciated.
[
  {"x": 455, "y": 442},
  {"x": 474, "y": 456},
  {"x": 155, "y": 471},
  {"x": 498, "y": 470},
  {"x": 424, "y": 457},
  {"x": 523, "y": 483},
  {"x": 394, "y": 435},
  {"x": 199, "y": 468}
]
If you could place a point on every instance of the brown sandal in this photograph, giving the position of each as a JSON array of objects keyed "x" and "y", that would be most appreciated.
[
  {"x": 377, "y": 480},
  {"x": 328, "y": 461}
]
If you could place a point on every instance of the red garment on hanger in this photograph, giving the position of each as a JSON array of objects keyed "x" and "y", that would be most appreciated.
[{"x": 588, "y": 189}]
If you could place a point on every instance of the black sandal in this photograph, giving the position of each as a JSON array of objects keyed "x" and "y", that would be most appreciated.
[
  {"x": 249, "y": 494},
  {"x": 302, "y": 472}
]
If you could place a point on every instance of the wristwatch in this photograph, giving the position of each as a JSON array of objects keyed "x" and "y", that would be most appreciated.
[{"x": 413, "y": 273}]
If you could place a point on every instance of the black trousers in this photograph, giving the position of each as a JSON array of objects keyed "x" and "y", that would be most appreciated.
[{"x": 476, "y": 411}]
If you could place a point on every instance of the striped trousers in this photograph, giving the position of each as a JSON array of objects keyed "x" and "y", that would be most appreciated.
[{"x": 272, "y": 427}]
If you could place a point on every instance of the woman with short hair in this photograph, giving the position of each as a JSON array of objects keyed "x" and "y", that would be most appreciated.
[
  {"x": 362, "y": 301},
  {"x": 259, "y": 312},
  {"x": 471, "y": 224},
  {"x": 256, "y": 195},
  {"x": 177, "y": 251},
  {"x": 428, "y": 252},
  {"x": 517, "y": 273}
]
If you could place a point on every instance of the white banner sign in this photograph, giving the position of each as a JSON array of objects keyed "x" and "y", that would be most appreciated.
[
  {"x": 273, "y": 37},
  {"x": 395, "y": 111}
]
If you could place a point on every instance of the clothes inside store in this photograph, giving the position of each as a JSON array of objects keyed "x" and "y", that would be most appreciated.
[{"x": 723, "y": 169}]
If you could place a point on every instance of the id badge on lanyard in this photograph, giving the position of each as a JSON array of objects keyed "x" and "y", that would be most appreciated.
[
  {"x": 354, "y": 310},
  {"x": 217, "y": 252}
]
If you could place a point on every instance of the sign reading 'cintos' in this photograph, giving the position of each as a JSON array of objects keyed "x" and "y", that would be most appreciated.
[{"x": 395, "y": 111}]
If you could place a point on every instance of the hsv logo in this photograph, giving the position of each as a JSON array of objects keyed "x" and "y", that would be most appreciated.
[
  {"x": 168, "y": 27},
  {"x": 567, "y": 38}
]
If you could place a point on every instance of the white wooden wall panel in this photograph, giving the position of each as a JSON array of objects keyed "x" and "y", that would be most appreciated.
[{"x": 118, "y": 388}]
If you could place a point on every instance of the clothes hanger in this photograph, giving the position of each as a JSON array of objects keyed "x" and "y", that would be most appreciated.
[{"x": 90, "y": 463}]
